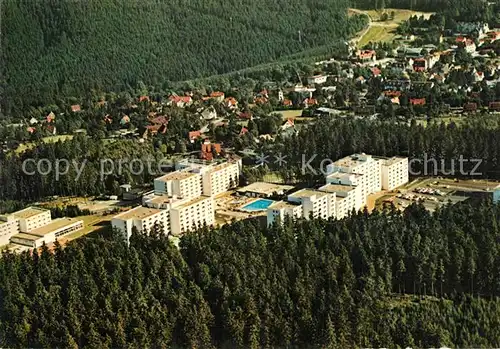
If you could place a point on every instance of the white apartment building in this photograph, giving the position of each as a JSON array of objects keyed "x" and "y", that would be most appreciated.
[
  {"x": 220, "y": 178},
  {"x": 314, "y": 202},
  {"x": 347, "y": 198},
  {"x": 394, "y": 172},
  {"x": 317, "y": 79},
  {"x": 32, "y": 218},
  {"x": 179, "y": 183},
  {"x": 367, "y": 165},
  {"x": 9, "y": 226},
  {"x": 281, "y": 209},
  {"x": 193, "y": 213},
  {"x": 142, "y": 218}
]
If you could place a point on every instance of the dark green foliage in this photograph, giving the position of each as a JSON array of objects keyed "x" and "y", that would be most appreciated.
[
  {"x": 383, "y": 280},
  {"x": 63, "y": 48}
]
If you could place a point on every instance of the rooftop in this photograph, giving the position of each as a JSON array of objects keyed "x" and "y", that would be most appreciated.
[
  {"x": 265, "y": 188},
  {"x": 54, "y": 225},
  {"x": 29, "y": 212},
  {"x": 283, "y": 205},
  {"x": 307, "y": 193},
  {"x": 27, "y": 236},
  {"x": 393, "y": 160},
  {"x": 177, "y": 175},
  {"x": 139, "y": 212},
  {"x": 353, "y": 160},
  {"x": 343, "y": 175},
  {"x": 335, "y": 188},
  {"x": 192, "y": 202}
]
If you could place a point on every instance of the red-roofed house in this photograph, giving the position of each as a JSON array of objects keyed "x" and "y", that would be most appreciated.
[
  {"x": 289, "y": 123},
  {"x": 160, "y": 120},
  {"x": 143, "y": 98},
  {"x": 470, "y": 107},
  {"x": 245, "y": 115},
  {"x": 31, "y": 129},
  {"x": 231, "y": 103},
  {"x": 218, "y": 96},
  {"x": 194, "y": 135},
  {"x": 51, "y": 117},
  {"x": 417, "y": 101},
  {"x": 376, "y": 71},
  {"x": 419, "y": 64},
  {"x": 76, "y": 108},
  {"x": 243, "y": 131},
  {"x": 366, "y": 55},
  {"x": 391, "y": 93},
  {"x": 260, "y": 100},
  {"x": 308, "y": 102},
  {"x": 287, "y": 103},
  {"x": 208, "y": 150},
  {"x": 180, "y": 101},
  {"x": 494, "y": 106},
  {"x": 494, "y": 36}
]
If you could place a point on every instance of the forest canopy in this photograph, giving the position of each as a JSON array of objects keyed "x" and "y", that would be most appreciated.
[
  {"x": 62, "y": 48},
  {"x": 390, "y": 279}
]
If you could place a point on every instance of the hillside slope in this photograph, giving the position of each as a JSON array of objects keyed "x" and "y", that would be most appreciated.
[{"x": 64, "y": 48}]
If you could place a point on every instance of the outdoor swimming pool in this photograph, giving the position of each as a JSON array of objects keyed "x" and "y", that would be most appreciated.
[{"x": 257, "y": 205}]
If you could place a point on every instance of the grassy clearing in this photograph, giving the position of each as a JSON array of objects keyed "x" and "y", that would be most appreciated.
[
  {"x": 289, "y": 114},
  {"x": 378, "y": 34},
  {"x": 51, "y": 139}
]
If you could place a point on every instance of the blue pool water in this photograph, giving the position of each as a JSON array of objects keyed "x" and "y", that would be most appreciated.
[{"x": 257, "y": 205}]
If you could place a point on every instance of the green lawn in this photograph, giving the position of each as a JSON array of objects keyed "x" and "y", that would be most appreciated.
[{"x": 51, "y": 139}]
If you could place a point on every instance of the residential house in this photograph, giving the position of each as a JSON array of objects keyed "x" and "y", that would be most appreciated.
[
  {"x": 51, "y": 117},
  {"x": 180, "y": 101},
  {"x": 231, "y": 103},
  {"x": 317, "y": 79},
  {"x": 143, "y": 99},
  {"x": 245, "y": 115},
  {"x": 470, "y": 107},
  {"x": 217, "y": 96},
  {"x": 194, "y": 135},
  {"x": 209, "y": 113},
  {"x": 287, "y": 103},
  {"x": 289, "y": 123},
  {"x": 76, "y": 108},
  {"x": 309, "y": 102},
  {"x": 366, "y": 55},
  {"x": 417, "y": 101},
  {"x": 494, "y": 106}
]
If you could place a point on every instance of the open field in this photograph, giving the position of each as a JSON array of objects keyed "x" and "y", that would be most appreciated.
[
  {"x": 377, "y": 34},
  {"x": 378, "y": 31},
  {"x": 51, "y": 139}
]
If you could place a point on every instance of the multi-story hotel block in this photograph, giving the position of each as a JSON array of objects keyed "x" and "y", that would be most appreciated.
[
  {"x": 141, "y": 218},
  {"x": 366, "y": 165},
  {"x": 281, "y": 209},
  {"x": 220, "y": 178},
  {"x": 192, "y": 214},
  {"x": 347, "y": 198},
  {"x": 32, "y": 218},
  {"x": 174, "y": 215},
  {"x": 179, "y": 183},
  {"x": 33, "y": 226},
  {"x": 349, "y": 181},
  {"x": 394, "y": 172},
  {"x": 182, "y": 199}
]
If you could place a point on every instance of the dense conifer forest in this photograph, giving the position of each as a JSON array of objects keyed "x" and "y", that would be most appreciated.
[
  {"x": 63, "y": 48},
  {"x": 390, "y": 279},
  {"x": 328, "y": 138}
]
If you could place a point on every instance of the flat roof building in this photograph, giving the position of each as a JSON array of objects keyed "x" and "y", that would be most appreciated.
[
  {"x": 32, "y": 218},
  {"x": 263, "y": 189},
  {"x": 141, "y": 218},
  {"x": 47, "y": 233},
  {"x": 196, "y": 212}
]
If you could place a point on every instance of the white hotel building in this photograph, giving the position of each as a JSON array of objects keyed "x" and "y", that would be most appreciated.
[
  {"x": 182, "y": 199},
  {"x": 349, "y": 181}
]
